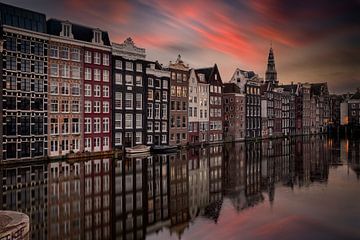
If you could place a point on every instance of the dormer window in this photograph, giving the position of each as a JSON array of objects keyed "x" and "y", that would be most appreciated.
[
  {"x": 201, "y": 77},
  {"x": 66, "y": 30},
  {"x": 97, "y": 36}
]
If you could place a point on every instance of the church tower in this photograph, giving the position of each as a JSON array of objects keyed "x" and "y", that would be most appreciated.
[{"x": 271, "y": 74}]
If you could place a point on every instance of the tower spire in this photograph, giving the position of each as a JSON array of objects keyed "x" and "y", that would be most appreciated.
[{"x": 271, "y": 74}]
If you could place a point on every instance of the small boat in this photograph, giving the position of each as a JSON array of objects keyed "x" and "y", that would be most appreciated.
[
  {"x": 138, "y": 149},
  {"x": 164, "y": 148}
]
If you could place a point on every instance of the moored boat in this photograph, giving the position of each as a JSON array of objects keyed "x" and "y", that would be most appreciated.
[
  {"x": 164, "y": 148},
  {"x": 137, "y": 149}
]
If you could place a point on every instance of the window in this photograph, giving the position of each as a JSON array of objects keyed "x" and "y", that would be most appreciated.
[
  {"x": 138, "y": 101},
  {"x": 118, "y": 139},
  {"x": 87, "y": 57},
  {"x": 118, "y": 121},
  {"x": 97, "y": 125},
  {"x": 106, "y": 107},
  {"x": 54, "y": 88},
  {"x": 164, "y": 111},
  {"x": 96, "y": 106},
  {"x": 11, "y": 44},
  {"x": 65, "y": 106},
  {"x": 149, "y": 139},
  {"x": 64, "y": 52},
  {"x": 164, "y": 96},
  {"x": 97, "y": 58},
  {"x": 178, "y": 91},
  {"x": 75, "y": 54},
  {"x": 129, "y": 80},
  {"x": 97, "y": 36},
  {"x": 157, "y": 127},
  {"x": 87, "y": 106},
  {"x": 106, "y": 124},
  {"x": 11, "y": 63},
  {"x": 75, "y": 106},
  {"x": 118, "y": 64},
  {"x": 54, "y": 126},
  {"x": 157, "y": 83},
  {"x": 139, "y": 67},
  {"x": 106, "y": 59},
  {"x": 164, "y": 126},
  {"x": 75, "y": 72},
  {"x": 87, "y": 73},
  {"x": 138, "y": 138},
  {"x": 128, "y": 121},
  {"x": 157, "y": 110},
  {"x": 129, "y": 101},
  {"x": 97, "y": 74},
  {"x": 138, "y": 120},
  {"x": 54, "y": 105},
  {"x": 165, "y": 84},
  {"x": 150, "y": 95},
  {"x": 129, "y": 66},
  {"x": 75, "y": 128},
  {"x": 150, "y": 111},
  {"x": 97, "y": 91},
  {"x": 87, "y": 125},
  {"x": 75, "y": 89},
  {"x": 25, "y": 65},
  {"x": 150, "y": 82},
  {"x": 87, "y": 90},
  {"x": 65, "y": 71},
  {"x": 105, "y": 91},
  {"x": 106, "y": 75},
  {"x": 65, "y": 126},
  {"x": 118, "y": 78},
  {"x": 25, "y": 46},
  {"x": 139, "y": 81},
  {"x": 118, "y": 100},
  {"x": 39, "y": 67},
  {"x": 65, "y": 89},
  {"x": 150, "y": 127},
  {"x": 25, "y": 85}
]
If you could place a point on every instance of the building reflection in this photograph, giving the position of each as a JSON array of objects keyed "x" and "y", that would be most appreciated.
[
  {"x": 24, "y": 188},
  {"x": 131, "y": 197}
]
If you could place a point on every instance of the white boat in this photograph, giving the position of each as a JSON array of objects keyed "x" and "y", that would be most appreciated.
[{"x": 137, "y": 149}]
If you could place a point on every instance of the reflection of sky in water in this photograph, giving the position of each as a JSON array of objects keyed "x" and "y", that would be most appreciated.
[{"x": 320, "y": 211}]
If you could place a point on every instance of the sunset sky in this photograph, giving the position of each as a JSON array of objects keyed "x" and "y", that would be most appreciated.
[{"x": 313, "y": 41}]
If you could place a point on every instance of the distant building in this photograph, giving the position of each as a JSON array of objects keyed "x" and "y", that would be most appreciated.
[
  {"x": 129, "y": 94},
  {"x": 198, "y": 108},
  {"x": 24, "y": 90},
  {"x": 271, "y": 73},
  {"x": 234, "y": 112},
  {"x": 179, "y": 77},
  {"x": 213, "y": 78},
  {"x": 158, "y": 104},
  {"x": 354, "y": 109}
]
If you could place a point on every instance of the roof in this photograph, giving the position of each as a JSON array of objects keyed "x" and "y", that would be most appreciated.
[
  {"x": 290, "y": 88},
  {"x": 318, "y": 88},
  {"x": 206, "y": 71},
  {"x": 82, "y": 33},
  {"x": 22, "y": 18},
  {"x": 231, "y": 88},
  {"x": 355, "y": 96}
]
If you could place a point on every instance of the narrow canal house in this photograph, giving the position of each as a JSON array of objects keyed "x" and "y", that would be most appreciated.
[
  {"x": 198, "y": 108},
  {"x": 96, "y": 88},
  {"x": 213, "y": 78},
  {"x": 234, "y": 113},
  {"x": 157, "y": 104},
  {"x": 64, "y": 95},
  {"x": 179, "y": 102},
  {"x": 25, "y": 81},
  {"x": 129, "y": 91}
]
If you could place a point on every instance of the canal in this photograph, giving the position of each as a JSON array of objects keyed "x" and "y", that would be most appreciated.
[{"x": 298, "y": 188}]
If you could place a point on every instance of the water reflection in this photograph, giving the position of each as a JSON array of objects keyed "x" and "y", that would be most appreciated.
[{"x": 132, "y": 197}]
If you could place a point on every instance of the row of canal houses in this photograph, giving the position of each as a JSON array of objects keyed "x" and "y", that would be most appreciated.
[{"x": 67, "y": 88}]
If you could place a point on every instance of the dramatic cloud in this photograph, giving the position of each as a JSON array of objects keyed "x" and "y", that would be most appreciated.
[{"x": 313, "y": 40}]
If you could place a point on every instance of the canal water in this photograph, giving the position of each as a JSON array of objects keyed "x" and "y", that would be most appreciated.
[{"x": 298, "y": 188}]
